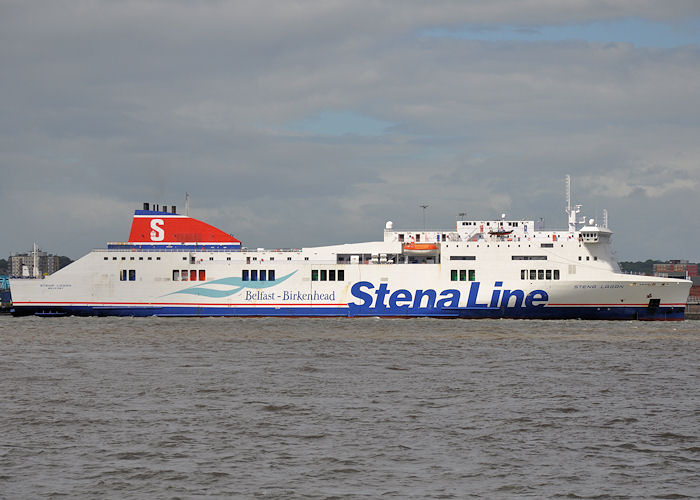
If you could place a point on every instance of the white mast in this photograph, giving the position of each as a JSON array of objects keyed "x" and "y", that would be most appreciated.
[
  {"x": 187, "y": 204},
  {"x": 569, "y": 211}
]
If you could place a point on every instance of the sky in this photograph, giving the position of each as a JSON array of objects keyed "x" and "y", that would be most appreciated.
[{"x": 304, "y": 123}]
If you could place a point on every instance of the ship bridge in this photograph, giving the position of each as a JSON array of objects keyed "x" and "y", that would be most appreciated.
[{"x": 592, "y": 234}]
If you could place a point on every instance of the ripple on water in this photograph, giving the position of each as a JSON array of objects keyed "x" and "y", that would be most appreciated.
[{"x": 338, "y": 408}]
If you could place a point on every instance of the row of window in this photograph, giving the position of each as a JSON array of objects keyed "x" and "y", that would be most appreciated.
[
  {"x": 539, "y": 274},
  {"x": 416, "y": 237},
  {"x": 189, "y": 275},
  {"x": 131, "y": 258},
  {"x": 248, "y": 259},
  {"x": 488, "y": 223},
  {"x": 461, "y": 275},
  {"x": 327, "y": 275},
  {"x": 258, "y": 275}
]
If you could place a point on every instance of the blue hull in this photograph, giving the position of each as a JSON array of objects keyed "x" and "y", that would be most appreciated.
[{"x": 593, "y": 313}]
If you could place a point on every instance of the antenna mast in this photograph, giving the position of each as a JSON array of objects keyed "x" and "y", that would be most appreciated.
[
  {"x": 569, "y": 211},
  {"x": 424, "y": 207},
  {"x": 187, "y": 204}
]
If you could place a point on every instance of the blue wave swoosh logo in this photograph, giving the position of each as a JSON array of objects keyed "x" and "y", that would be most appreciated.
[{"x": 236, "y": 284}]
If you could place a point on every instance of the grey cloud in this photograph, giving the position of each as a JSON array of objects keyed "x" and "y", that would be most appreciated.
[{"x": 107, "y": 104}]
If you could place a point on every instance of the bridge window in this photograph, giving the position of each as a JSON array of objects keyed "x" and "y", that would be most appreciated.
[
  {"x": 245, "y": 276},
  {"x": 324, "y": 275},
  {"x": 183, "y": 275},
  {"x": 540, "y": 274},
  {"x": 254, "y": 275},
  {"x": 202, "y": 275},
  {"x": 271, "y": 275},
  {"x": 462, "y": 275},
  {"x": 176, "y": 275},
  {"x": 556, "y": 274},
  {"x": 472, "y": 275},
  {"x": 523, "y": 274},
  {"x": 132, "y": 274},
  {"x": 548, "y": 274},
  {"x": 331, "y": 275},
  {"x": 533, "y": 274},
  {"x": 263, "y": 275},
  {"x": 341, "y": 275},
  {"x": 314, "y": 275},
  {"x": 453, "y": 275}
]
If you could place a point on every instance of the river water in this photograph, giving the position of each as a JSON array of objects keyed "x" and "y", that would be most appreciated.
[{"x": 348, "y": 408}]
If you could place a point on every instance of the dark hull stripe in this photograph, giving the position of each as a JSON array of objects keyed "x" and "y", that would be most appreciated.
[{"x": 675, "y": 313}]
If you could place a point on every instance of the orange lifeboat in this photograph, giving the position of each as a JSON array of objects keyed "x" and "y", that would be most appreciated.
[{"x": 420, "y": 248}]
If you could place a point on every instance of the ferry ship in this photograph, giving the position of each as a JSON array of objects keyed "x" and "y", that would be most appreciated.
[{"x": 175, "y": 265}]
